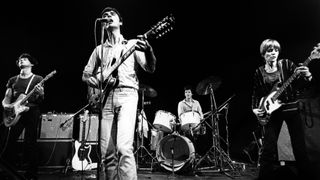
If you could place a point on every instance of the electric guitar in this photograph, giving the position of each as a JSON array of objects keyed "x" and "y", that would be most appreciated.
[
  {"x": 270, "y": 103},
  {"x": 81, "y": 158},
  {"x": 12, "y": 115},
  {"x": 161, "y": 28}
]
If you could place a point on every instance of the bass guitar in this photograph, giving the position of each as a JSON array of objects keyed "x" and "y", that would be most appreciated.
[
  {"x": 160, "y": 29},
  {"x": 81, "y": 159},
  {"x": 12, "y": 115},
  {"x": 270, "y": 103}
]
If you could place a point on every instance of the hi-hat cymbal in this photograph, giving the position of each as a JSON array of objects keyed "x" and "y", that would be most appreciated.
[
  {"x": 148, "y": 90},
  {"x": 203, "y": 88}
]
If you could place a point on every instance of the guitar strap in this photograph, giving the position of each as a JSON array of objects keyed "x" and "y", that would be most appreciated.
[
  {"x": 281, "y": 78},
  {"x": 29, "y": 84}
]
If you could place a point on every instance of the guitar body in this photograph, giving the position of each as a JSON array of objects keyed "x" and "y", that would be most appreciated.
[
  {"x": 12, "y": 116},
  {"x": 81, "y": 159},
  {"x": 269, "y": 105},
  {"x": 95, "y": 95}
]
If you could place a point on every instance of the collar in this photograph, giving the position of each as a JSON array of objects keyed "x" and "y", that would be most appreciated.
[{"x": 120, "y": 40}]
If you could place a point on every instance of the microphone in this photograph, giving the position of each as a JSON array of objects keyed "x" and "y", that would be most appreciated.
[{"x": 103, "y": 20}]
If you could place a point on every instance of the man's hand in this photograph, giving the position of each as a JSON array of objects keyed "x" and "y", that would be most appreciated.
[{"x": 39, "y": 89}]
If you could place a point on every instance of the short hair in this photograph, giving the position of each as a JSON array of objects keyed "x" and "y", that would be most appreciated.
[
  {"x": 29, "y": 57},
  {"x": 107, "y": 9},
  {"x": 267, "y": 44},
  {"x": 188, "y": 87}
]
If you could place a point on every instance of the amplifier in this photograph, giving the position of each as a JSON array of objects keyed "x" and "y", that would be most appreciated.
[
  {"x": 52, "y": 153},
  {"x": 55, "y": 153},
  {"x": 58, "y": 126},
  {"x": 90, "y": 129}
]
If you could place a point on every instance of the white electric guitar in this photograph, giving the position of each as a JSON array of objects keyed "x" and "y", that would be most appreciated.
[
  {"x": 81, "y": 159},
  {"x": 270, "y": 103}
]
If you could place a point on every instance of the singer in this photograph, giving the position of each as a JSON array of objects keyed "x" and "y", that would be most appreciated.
[
  {"x": 120, "y": 106},
  {"x": 18, "y": 85}
]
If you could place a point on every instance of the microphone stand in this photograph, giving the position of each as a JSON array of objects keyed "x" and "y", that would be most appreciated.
[{"x": 103, "y": 26}]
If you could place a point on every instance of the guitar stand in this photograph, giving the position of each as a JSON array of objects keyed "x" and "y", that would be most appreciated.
[
  {"x": 142, "y": 147},
  {"x": 68, "y": 165}
]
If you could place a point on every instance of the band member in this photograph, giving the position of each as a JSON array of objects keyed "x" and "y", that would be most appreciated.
[
  {"x": 188, "y": 104},
  {"x": 120, "y": 107},
  {"x": 17, "y": 87},
  {"x": 276, "y": 71}
]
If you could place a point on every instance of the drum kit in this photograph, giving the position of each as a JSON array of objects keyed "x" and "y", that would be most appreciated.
[{"x": 175, "y": 152}]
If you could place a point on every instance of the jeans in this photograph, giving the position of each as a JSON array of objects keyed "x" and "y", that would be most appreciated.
[{"x": 117, "y": 134}]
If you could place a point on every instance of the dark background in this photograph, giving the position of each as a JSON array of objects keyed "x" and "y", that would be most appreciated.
[{"x": 210, "y": 38}]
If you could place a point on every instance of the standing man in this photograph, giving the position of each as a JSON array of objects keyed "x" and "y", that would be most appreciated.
[
  {"x": 120, "y": 105},
  {"x": 17, "y": 87}
]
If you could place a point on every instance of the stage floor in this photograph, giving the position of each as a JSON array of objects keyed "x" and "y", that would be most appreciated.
[{"x": 248, "y": 174}]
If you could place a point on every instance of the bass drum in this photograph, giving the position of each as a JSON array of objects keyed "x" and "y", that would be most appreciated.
[{"x": 183, "y": 153}]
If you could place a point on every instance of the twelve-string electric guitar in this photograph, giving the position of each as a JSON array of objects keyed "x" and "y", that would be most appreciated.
[
  {"x": 81, "y": 158},
  {"x": 11, "y": 116},
  {"x": 270, "y": 103},
  {"x": 161, "y": 28}
]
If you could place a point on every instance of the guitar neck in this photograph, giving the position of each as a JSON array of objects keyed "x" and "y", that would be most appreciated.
[
  {"x": 118, "y": 63},
  {"x": 289, "y": 80},
  {"x": 24, "y": 100},
  {"x": 83, "y": 132}
]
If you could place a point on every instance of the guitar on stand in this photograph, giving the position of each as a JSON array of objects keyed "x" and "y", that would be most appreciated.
[{"x": 81, "y": 159}]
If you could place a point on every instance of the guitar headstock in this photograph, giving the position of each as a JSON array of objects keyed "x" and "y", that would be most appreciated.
[
  {"x": 161, "y": 28},
  {"x": 315, "y": 53},
  {"x": 85, "y": 116},
  {"x": 50, "y": 75}
]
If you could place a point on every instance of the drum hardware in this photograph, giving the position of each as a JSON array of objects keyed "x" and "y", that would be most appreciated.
[
  {"x": 148, "y": 91},
  {"x": 215, "y": 153},
  {"x": 172, "y": 155}
]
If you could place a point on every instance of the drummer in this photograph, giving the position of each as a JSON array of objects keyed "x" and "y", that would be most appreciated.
[{"x": 188, "y": 104}]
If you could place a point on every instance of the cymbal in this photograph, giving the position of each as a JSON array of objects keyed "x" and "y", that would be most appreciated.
[
  {"x": 203, "y": 88},
  {"x": 148, "y": 90}
]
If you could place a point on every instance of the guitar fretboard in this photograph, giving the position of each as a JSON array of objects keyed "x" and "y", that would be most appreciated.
[{"x": 289, "y": 80}]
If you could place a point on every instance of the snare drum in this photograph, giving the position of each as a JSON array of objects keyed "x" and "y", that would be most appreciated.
[
  {"x": 189, "y": 120},
  {"x": 164, "y": 121}
]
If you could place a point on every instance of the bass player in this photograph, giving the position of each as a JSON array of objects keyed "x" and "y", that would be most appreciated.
[{"x": 272, "y": 104}]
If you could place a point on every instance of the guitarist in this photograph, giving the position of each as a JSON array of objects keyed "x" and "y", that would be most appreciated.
[
  {"x": 18, "y": 85},
  {"x": 266, "y": 77},
  {"x": 120, "y": 106}
]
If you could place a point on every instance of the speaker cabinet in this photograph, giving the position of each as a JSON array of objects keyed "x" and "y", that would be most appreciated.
[
  {"x": 89, "y": 128},
  {"x": 56, "y": 126},
  {"x": 55, "y": 153}
]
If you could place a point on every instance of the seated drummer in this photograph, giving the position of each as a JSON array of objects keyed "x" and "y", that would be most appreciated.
[{"x": 188, "y": 104}]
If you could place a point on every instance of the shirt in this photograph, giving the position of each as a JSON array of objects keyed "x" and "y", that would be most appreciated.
[{"x": 127, "y": 71}]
